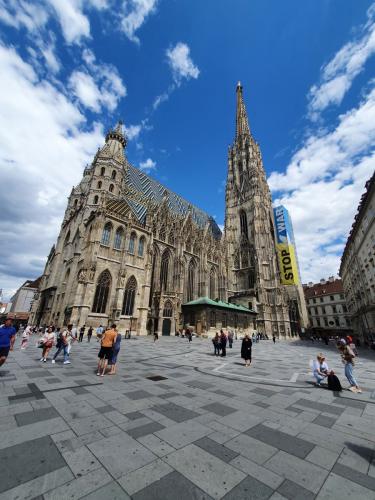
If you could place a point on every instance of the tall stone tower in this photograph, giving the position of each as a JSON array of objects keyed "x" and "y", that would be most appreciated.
[{"x": 253, "y": 274}]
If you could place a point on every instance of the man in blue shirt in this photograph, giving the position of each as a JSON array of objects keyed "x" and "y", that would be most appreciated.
[{"x": 7, "y": 339}]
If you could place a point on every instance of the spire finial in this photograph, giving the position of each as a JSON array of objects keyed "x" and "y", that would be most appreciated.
[
  {"x": 117, "y": 134},
  {"x": 242, "y": 123}
]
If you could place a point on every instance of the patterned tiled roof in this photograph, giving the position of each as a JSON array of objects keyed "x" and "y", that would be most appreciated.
[{"x": 152, "y": 189}]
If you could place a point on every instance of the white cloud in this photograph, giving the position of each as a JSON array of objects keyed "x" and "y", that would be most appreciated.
[
  {"x": 135, "y": 14},
  {"x": 337, "y": 75},
  {"x": 19, "y": 13},
  {"x": 44, "y": 145},
  {"x": 322, "y": 187},
  {"x": 181, "y": 63},
  {"x": 147, "y": 165},
  {"x": 74, "y": 24},
  {"x": 133, "y": 131},
  {"x": 102, "y": 91}
]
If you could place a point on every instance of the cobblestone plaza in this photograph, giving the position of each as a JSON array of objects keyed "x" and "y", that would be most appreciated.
[{"x": 178, "y": 423}]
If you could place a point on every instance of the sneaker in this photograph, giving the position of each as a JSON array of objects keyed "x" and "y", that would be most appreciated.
[
  {"x": 66, "y": 362},
  {"x": 98, "y": 374},
  {"x": 352, "y": 388},
  {"x": 53, "y": 361},
  {"x": 44, "y": 360},
  {"x": 102, "y": 375},
  {"x": 359, "y": 390},
  {"x": 41, "y": 359}
]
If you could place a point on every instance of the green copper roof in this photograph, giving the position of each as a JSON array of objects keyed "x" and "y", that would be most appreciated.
[{"x": 205, "y": 301}]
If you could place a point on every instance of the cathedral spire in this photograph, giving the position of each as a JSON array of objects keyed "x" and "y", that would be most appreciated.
[
  {"x": 242, "y": 123},
  {"x": 117, "y": 134}
]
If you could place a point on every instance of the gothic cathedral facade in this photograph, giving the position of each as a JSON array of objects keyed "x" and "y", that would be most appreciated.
[{"x": 131, "y": 251}]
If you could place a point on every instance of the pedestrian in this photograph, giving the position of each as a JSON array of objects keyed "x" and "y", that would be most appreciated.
[
  {"x": 320, "y": 369},
  {"x": 48, "y": 340},
  {"x": 223, "y": 343},
  {"x": 274, "y": 338},
  {"x": 25, "y": 336},
  {"x": 106, "y": 347},
  {"x": 230, "y": 339},
  {"x": 216, "y": 343},
  {"x": 99, "y": 333},
  {"x": 115, "y": 351},
  {"x": 89, "y": 333},
  {"x": 81, "y": 333},
  {"x": 347, "y": 357},
  {"x": 7, "y": 339},
  {"x": 62, "y": 344},
  {"x": 246, "y": 349},
  {"x": 74, "y": 332},
  {"x": 156, "y": 336}
]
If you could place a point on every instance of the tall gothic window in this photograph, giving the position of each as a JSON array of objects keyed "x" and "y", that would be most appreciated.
[
  {"x": 113, "y": 174},
  {"x": 118, "y": 238},
  {"x": 129, "y": 297},
  {"x": 164, "y": 270},
  {"x": 243, "y": 223},
  {"x": 212, "y": 284},
  {"x": 111, "y": 188},
  {"x": 191, "y": 281},
  {"x": 96, "y": 199},
  {"x": 168, "y": 310},
  {"x": 141, "y": 246},
  {"x": 99, "y": 184},
  {"x": 133, "y": 237},
  {"x": 106, "y": 236},
  {"x": 101, "y": 293},
  {"x": 102, "y": 171}
]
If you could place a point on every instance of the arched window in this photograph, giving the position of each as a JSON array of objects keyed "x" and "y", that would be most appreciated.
[
  {"x": 129, "y": 297},
  {"x": 191, "y": 281},
  {"x": 102, "y": 171},
  {"x": 101, "y": 293},
  {"x": 133, "y": 237},
  {"x": 99, "y": 186},
  {"x": 141, "y": 246},
  {"x": 162, "y": 234},
  {"x": 243, "y": 223},
  {"x": 168, "y": 310},
  {"x": 118, "y": 238},
  {"x": 213, "y": 284},
  {"x": 113, "y": 174},
  {"x": 96, "y": 199},
  {"x": 106, "y": 236},
  {"x": 164, "y": 270},
  {"x": 111, "y": 188}
]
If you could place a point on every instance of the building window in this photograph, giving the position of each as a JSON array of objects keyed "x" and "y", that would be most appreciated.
[
  {"x": 164, "y": 270},
  {"x": 101, "y": 293},
  {"x": 212, "y": 284},
  {"x": 312, "y": 310},
  {"x": 129, "y": 297},
  {"x": 102, "y": 171},
  {"x": 106, "y": 236},
  {"x": 337, "y": 321},
  {"x": 332, "y": 297},
  {"x": 334, "y": 309},
  {"x": 323, "y": 310},
  {"x": 224, "y": 320},
  {"x": 99, "y": 184},
  {"x": 113, "y": 174},
  {"x": 111, "y": 188},
  {"x": 212, "y": 318},
  {"x": 344, "y": 308},
  {"x": 133, "y": 237},
  {"x": 118, "y": 238},
  {"x": 191, "y": 281},
  {"x": 96, "y": 199},
  {"x": 243, "y": 223},
  {"x": 141, "y": 246},
  {"x": 314, "y": 300},
  {"x": 168, "y": 310}
]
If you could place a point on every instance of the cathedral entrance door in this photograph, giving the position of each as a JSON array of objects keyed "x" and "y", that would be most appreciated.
[{"x": 166, "y": 326}]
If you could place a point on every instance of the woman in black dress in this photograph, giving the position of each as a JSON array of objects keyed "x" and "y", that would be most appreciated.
[{"x": 246, "y": 349}]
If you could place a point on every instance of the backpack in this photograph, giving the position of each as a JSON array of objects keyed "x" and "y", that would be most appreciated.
[{"x": 334, "y": 383}]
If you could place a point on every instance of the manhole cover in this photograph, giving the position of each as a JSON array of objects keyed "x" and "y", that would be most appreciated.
[{"x": 155, "y": 378}]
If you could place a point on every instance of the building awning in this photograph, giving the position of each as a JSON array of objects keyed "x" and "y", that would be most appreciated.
[{"x": 205, "y": 301}]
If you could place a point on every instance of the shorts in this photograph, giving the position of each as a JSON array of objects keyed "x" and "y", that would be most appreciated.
[
  {"x": 4, "y": 351},
  {"x": 105, "y": 353}
]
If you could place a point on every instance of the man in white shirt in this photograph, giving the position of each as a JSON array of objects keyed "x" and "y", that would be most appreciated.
[{"x": 99, "y": 333}]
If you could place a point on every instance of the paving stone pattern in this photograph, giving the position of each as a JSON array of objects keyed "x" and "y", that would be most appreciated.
[{"x": 178, "y": 423}]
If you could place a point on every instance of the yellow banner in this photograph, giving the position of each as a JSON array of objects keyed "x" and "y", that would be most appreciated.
[{"x": 287, "y": 264}]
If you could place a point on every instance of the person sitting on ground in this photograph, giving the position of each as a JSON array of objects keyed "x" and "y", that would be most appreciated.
[{"x": 320, "y": 369}]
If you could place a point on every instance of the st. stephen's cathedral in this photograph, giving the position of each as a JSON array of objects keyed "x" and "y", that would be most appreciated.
[{"x": 132, "y": 252}]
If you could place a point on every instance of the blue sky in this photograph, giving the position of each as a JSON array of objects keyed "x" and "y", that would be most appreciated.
[{"x": 71, "y": 68}]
